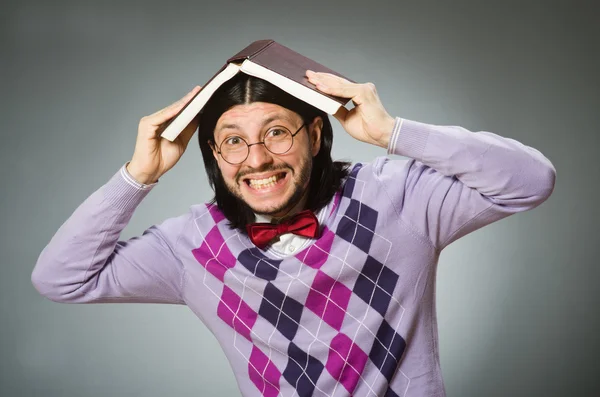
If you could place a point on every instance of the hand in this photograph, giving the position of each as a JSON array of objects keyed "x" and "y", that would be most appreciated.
[
  {"x": 154, "y": 156},
  {"x": 368, "y": 121}
]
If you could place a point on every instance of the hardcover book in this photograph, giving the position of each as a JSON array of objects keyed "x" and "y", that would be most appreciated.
[{"x": 268, "y": 60}]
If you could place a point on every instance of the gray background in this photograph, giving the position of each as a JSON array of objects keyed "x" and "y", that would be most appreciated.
[{"x": 518, "y": 300}]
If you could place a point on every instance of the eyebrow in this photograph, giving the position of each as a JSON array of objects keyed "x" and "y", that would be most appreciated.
[{"x": 265, "y": 122}]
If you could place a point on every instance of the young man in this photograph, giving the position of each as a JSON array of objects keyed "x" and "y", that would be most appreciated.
[{"x": 332, "y": 291}]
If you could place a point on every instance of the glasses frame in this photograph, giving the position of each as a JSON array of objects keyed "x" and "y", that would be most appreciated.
[{"x": 256, "y": 143}]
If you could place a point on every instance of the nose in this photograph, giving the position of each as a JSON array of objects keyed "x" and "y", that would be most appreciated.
[{"x": 258, "y": 155}]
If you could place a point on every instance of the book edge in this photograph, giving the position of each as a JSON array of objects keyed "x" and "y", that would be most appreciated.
[
  {"x": 327, "y": 103},
  {"x": 292, "y": 87},
  {"x": 195, "y": 105}
]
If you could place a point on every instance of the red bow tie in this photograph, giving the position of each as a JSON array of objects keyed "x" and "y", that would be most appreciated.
[{"x": 304, "y": 223}]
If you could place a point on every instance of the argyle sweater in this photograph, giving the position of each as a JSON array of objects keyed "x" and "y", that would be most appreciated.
[{"x": 353, "y": 312}]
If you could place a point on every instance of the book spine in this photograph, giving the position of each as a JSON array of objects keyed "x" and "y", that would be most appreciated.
[
  {"x": 251, "y": 50},
  {"x": 261, "y": 50}
]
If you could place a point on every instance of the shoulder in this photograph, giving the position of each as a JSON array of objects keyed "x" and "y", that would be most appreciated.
[
  {"x": 372, "y": 180},
  {"x": 198, "y": 220},
  {"x": 206, "y": 213},
  {"x": 380, "y": 167}
]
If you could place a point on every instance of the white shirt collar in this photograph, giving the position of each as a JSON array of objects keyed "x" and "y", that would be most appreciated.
[{"x": 288, "y": 243}]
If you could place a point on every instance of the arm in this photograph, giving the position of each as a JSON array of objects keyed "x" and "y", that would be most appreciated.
[
  {"x": 86, "y": 263},
  {"x": 458, "y": 180}
]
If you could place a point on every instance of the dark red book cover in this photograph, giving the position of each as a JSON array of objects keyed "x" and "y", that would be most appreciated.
[
  {"x": 286, "y": 62},
  {"x": 281, "y": 60}
]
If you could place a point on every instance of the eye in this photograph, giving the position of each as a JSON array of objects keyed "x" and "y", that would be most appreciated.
[
  {"x": 233, "y": 140},
  {"x": 275, "y": 132}
]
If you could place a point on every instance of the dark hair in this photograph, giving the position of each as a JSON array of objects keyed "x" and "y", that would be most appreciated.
[{"x": 326, "y": 176}]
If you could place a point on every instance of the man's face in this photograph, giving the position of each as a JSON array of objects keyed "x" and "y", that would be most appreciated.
[{"x": 289, "y": 173}]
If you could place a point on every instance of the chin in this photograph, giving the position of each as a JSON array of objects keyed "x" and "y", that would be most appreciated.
[{"x": 271, "y": 206}]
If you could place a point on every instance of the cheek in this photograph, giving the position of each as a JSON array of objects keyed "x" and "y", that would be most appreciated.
[
  {"x": 297, "y": 156},
  {"x": 228, "y": 171}
]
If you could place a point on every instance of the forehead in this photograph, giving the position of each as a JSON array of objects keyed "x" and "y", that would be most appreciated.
[{"x": 254, "y": 114}]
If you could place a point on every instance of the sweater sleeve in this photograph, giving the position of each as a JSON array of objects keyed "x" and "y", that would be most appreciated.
[
  {"x": 85, "y": 262},
  {"x": 458, "y": 181}
]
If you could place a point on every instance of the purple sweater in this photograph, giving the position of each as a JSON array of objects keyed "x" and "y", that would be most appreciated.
[{"x": 351, "y": 314}]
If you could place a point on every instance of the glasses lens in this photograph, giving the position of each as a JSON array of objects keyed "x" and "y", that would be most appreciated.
[
  {"x": 278, "y": 140},
  {"x": 234, "y": 150}
]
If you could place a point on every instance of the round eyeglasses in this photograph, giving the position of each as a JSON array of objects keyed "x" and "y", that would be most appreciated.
[{"x": 278, "y": 140}]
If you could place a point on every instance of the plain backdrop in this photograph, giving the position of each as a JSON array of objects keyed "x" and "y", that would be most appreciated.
[{"x": 518, "y": 301}]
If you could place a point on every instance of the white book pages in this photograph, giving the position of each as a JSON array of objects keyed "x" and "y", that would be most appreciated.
[
  {"x": 292, "y": 87},
  {"x": 301, "y": 92},
  {"x": 188, "y": 114}
]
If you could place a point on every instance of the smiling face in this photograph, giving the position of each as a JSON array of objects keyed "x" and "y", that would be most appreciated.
[{"x": 270, "y": 184}]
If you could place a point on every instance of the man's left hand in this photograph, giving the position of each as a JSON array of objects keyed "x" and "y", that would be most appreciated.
[{"x": 368, "y": 121}]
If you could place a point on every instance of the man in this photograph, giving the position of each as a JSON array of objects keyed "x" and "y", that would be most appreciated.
[{"x": 331, "y": 292}]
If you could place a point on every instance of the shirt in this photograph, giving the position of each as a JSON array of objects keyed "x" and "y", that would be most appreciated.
[{"x": 289, "y": 243}]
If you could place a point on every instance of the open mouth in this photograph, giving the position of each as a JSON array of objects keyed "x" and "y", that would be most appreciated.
[{"x": 272, "y": 181}]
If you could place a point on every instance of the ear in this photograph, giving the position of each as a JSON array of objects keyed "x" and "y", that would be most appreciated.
[
  {"x": 214, "y": 150},
  {"x": 315, "y": 135}
]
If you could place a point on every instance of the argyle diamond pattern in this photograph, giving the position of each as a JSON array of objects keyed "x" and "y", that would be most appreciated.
[
  {"x": 281, "y": 311},
  {"x": 270, "y": 311},
  {"x": 302, "y": 371}
]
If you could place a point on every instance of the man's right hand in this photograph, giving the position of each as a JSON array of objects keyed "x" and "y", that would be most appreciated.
[{"x": 154, "y": 156}]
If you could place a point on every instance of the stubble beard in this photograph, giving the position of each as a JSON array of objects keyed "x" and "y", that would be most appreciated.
[{"x": 300, "y": 186}]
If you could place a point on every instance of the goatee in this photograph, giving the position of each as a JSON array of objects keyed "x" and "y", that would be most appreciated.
[{"x": 300, "y": 186}]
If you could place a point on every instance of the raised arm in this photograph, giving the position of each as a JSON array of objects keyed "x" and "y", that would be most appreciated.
[
  {"x": 458, "y": 180},
  {"x": 86, "y": 263}
]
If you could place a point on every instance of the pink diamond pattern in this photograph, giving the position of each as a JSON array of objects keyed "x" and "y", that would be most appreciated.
[
  {"x": 235, "y": 312},
  {"x": 219, "y": 259},
  {"x": 347, "y": 368},
  {"x": 263, "y": 373},
  {"x": 328, "y": 299}
]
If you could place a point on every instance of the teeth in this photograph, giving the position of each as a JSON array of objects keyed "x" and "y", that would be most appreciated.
[
  {"x": 262, "y": 183},
  {"x": 263, "y": 186}
]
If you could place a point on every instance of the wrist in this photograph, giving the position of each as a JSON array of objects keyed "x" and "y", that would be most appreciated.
[
  {"x": 388, "y": 129},
  {"x": 140, "y": 177}
]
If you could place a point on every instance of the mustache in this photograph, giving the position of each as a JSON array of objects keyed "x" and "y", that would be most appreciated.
[{"x": 266, "y": 168}]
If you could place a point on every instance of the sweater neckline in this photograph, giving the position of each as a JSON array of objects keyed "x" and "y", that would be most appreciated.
[{"x": 329, "y": 213}]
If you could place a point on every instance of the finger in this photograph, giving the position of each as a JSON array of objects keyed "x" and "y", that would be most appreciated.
[
  {"x": 334, "y": 85},
  {"x": 327, "y": 77},
  {"x": 165, "y": 114},
  {"x": 323, "y": 75},
  {"x": 168, "y": 112},
  {"x": 183, "y": 100}
]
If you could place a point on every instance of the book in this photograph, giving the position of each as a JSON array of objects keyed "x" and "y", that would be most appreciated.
[{"x": 268, "y": 60}]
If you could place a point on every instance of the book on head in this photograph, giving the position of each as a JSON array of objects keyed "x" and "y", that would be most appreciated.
[{"x": 270, "y": 61}]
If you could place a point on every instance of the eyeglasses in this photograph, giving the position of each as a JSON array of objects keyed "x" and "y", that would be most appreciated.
[{"x": 278, "y": 140}]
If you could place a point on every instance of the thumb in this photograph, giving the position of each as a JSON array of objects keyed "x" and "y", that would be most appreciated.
[{"x": 341, "y": 115}]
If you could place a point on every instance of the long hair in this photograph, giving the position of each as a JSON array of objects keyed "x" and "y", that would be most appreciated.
[{"x": 326, "y": 176}]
